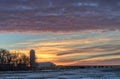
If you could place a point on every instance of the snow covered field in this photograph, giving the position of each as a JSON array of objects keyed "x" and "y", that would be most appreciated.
[{"x": 68, "y": 74}]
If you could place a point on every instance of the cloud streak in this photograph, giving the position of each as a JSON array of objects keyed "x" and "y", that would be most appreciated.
[
  {"x": 112, "y": 61},
  {"x": 59, "y": 16},
  {"x": 65, "y": 48},
  {"x": 98, "y": 48}
]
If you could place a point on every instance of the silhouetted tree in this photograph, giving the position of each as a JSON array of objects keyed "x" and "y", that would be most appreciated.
[
  {"x": 19, "y": 58},
  {"x": 9, "y": 59},
  {"x": 5, "y": 56}
]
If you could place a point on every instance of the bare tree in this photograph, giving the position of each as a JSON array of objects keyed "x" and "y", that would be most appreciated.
[
  {"x": 13, "y": 58},
  {"x": 20, "y": 58},
  {"x": 4, "y": 56}
]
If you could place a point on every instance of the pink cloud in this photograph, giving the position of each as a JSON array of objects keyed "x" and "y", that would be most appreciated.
[{"x": 44, "y": 16}]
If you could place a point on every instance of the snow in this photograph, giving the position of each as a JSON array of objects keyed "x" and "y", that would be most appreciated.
[{"x": 64, "y": 74}]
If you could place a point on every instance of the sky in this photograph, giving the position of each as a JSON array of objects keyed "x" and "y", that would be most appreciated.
[{"x": 65, "y": 32}]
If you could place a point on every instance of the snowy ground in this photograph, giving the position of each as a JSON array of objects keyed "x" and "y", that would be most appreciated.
[{"x": 66, "y": 74}]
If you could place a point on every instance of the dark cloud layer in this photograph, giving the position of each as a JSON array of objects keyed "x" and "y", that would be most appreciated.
[
  {"x": 71, "y": 59},
  {"x": 99, "y": 48},
  {"x": 59, "y": 15},
  {"x": 113, "y": 61}
]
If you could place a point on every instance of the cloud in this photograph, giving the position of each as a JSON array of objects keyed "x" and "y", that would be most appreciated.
[
  {"x": 59, "y": 16},
  {"x": 92, "y": 49},
  {"x": 112, "y": 61},
  {"x": 104, "y": 55},
  {"x": 78, "y": 58},
  {"x": 88, "y": 53}
]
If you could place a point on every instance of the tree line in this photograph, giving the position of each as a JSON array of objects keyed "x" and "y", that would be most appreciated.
[{"x": 13, "y": 60}]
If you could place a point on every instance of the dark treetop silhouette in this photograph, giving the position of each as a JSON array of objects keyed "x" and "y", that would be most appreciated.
[{"x": 13, "y": 61}]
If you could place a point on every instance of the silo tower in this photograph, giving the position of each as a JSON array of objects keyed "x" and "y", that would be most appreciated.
[{"x": 32, "y": 58}]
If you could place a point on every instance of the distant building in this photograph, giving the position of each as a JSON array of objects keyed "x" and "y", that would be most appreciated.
[
  {"x": 41, "y": 65},
  {"x": 45, "y": 65},
  {"x": 32, "y": 59}
]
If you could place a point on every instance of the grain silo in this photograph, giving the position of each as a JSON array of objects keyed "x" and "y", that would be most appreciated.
[{"x": 32, "y": 59}]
